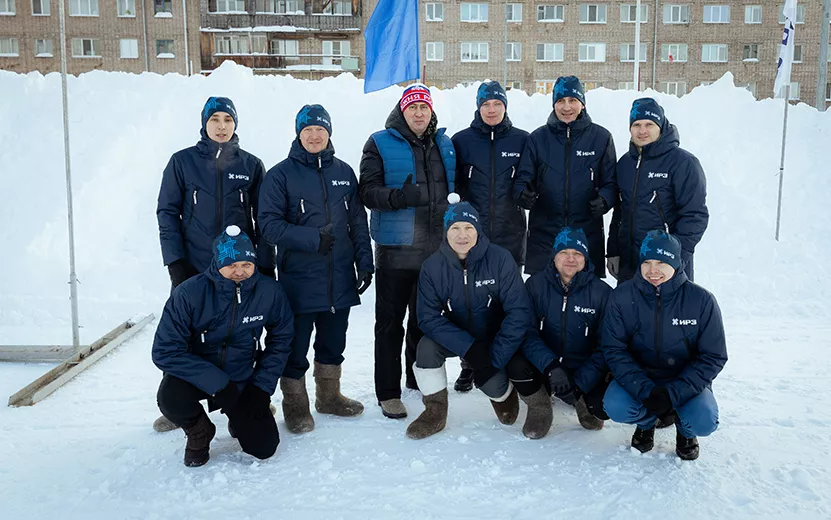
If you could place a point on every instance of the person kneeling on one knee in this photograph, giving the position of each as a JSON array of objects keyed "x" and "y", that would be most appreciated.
[
  {"x": 663, "y": 339},
  {"x": 564, "y": 357},
  {"x": 207, "y": 345},
  {"x": 471, "y": 303}
]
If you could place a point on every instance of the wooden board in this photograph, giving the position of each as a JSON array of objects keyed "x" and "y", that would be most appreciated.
[
  {"x": 37, "y": 353},
  {"x": 83, "y": 359}
]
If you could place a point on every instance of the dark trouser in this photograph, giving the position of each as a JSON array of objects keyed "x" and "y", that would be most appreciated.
[
  {"x": 395, "y": 294},
  {"x": 330, "y": 340},
  {"x": 256, "y": 430},
  {"x": 527, "y": 380},
  {"x": 431, "y": 355}
]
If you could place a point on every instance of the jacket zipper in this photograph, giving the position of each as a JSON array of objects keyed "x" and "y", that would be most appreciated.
[
  {"x": 219, "y": 195},
  {"x": 237, "y": 301},
  {"x": 568, "y": 167},
  {"x": 563, "y": 322},
  {"x": 348, "y": 219},
  {"x": 632, "y": 211},
  {"x": 328, "y": 221},
  {"x": 467, "y": 300},
  {"x": 658, "y": 331},
  {"x": 193, "y": 210},
  {"x": 656, "y": 198},
  {"x": 493, "y": 185},
  {"x": 431, "y": 188}
]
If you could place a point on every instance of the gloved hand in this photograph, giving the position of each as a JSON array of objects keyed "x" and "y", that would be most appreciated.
[
  {"x": 254, "y": 402},
  {"x": 267, "y": 271},
  {"x": 478, "y": 356},
  {"x": 613, "y": 266},
  {"x": 364, "y": 280},
  {"x": 327, "y": 240},
  {"x": 561, "y": 386},
  {"x": 180, "y": 270},
  {"x": 227, "y": 397},
  {"x": 598, "y": 206},
  {"x": 528, "y": 198},
  {"x": 658, "y": 403},
  {"x": 412, "y": 192}
]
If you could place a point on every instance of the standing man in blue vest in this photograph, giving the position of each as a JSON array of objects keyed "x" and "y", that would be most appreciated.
[{"x": 407, "y": 171}]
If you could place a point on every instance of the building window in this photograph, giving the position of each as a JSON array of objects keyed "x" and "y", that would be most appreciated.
[
  {"x": 674, "y": 52},
  {"x": 288, "y": 7},
  {"x": 674, "y": 88},
  {"x": 435, "y": 12},
  {"x": 83, "y": 8},
  {"x": 550, "y": 51},
  {"x": 259, "y": 44},
  {"x": 794, "y": 96},
  {"x": 751, "y": 52},
  {"x": 129, "y": 48},
  {"x": 126, "y": 8},
  {"x": 163, "y": 7},
  {"x": 753, "y": 14},
  {"x": 474, "y": 51},
  {"x": 231, "y": 44},
  {"x": 474, "y": 12},
  {"x": 594, "y": 52},
  {"x": 86, "y": 48},
  {"x": 675, "y": 13},
  {"x": 545, "y": 86},
  {"x": 43, "y": 48},
  {"x": 629, "y": 85},
  {"x": 629, "y": 11},
  {"x": 714, "y": 53},
  {"x": 286, "y": 48},
  {"x": 435, "y": 51},
  {"x": 513, "y": 13},
  {"x": 551, "y": 13},
  {"x": 338, "y": 8},
  {"x": 7, "y": 7},
  {"x": 627, "y": 52},
  {"x": 8, "y": 47},
  {"x": 513, "y": 51},
  {"x": 716, "y": 14},
  {"x": 228, "y": 6},
  {"x": 164, "y": 49},
  {"x": 592, "y": 13},
  {"x": 800, "y": 17},
  {"x": 510, "y": 85},
  {"x": 336, "y": 48},
  {"x": 39, "y": 7}
]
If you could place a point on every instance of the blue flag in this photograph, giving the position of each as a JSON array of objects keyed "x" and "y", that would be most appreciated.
[{"x": 392, "y": 44}]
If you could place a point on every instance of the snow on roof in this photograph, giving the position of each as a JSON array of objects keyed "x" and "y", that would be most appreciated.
[{"x": 276, "y": 28}]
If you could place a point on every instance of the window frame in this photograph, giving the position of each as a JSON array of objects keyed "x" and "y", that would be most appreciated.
[
  {"x": 427, "y": 7},
  {"x": 121, "y": 55},
  {"x": 93, "y": 48},
  {"x": 800, "y": 14},
  {"x": 711, "y": 8},
  {"x": 665, "y": 86},
  {"x": 679, "y": 47},
  {"x": 470, "y": 52},
  {"x": 586, "y": 9},
  {"x": 513, "y": 45},
  {"x": 745, "y": 48},
  {"x": 226, "y": 5},
  {"x": 14, "y": 47},
  {"x": 435, "y": 46},
  {"x": 709, "y": 47},
  {"x": 554, "y": 46},
  {"x": 590, "y": 45},
  {"x": 631, "y": 46},
  {"x": 118, "y": 6},
  {"x": 512, "y": 7},
  {"x": 541, "y": 9},
  {"x": 749, "y": 10},
  {"x": 470, "y": 6},
  {"x": 668, "y": 9},
  {"x": 172, "y": 49},
  {"x": 10, "y": 9},
  {"x": 633, "y": 7},
  {"x": 88, "y": 3},
  {"x": 42, "y": 3}
]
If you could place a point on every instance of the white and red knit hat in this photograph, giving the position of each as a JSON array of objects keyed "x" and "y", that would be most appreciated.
[{"x": 415, "y": 93}]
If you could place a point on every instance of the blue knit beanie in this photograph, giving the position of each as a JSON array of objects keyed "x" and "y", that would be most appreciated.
[
  {"x": 462, "y": 212},
  {"x": 491, "y": 90},
  {"x": 646, "y": 108},
  {"x": 660, "y": 245},
  {"x": 568, "y": 86},
  {"x": 218, "y": 104},
  {"x": 571, "y": 238},
  {"x": 233, "y": 245},
  {"x": 313, "y": 115}
]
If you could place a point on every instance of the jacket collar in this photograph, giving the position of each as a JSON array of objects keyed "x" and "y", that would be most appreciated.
[
  {"x": 299, "y": 154},
  {"x": 580, "y": 280},
  {"x": 395, "y": 121},
  {"x": 227, "y": 287},
  {"x": 500, "y": 129},
  {"x": 206, "y": 146},
  {"x": 666, "y": 289},
  {"x": 578, "y": 125},
  {"x": 475, "y": 254},
  {"x": 668, "y": 141}
]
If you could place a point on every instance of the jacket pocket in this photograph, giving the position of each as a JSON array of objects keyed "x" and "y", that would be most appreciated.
[{"x": 194, "y": 199}]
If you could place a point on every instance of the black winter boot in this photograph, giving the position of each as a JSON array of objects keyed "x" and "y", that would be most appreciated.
[
  {"x": 465, "y": 381},
  {"x": 200, "y": 435},
  {"x": 686, "y": 447},
  {"x": 643, "y": 440}
]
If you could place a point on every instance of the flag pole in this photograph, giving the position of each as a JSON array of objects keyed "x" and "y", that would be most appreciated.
[{"x": 782, "y": 159}]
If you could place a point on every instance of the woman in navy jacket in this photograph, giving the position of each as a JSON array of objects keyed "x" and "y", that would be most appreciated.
[
  {"x": 663, "y": 340},
  {"x": 309, "y": 209}
]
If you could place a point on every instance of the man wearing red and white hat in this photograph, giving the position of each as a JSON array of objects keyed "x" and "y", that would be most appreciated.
[{"x": 407, "y": 171}]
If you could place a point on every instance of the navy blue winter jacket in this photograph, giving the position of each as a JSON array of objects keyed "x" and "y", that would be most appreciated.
[
  {"x": 568, "y": 322},
  {"x": 486, "y": 162},
  {"x": 300, "y": 195},
  {"x": 206, "y": 188},
  {"x": 661, "y": 187},
  {"x": 210, "y": 330},
  {"x": 567, "y": 165},
  {"x": 484, "y": 299},
  {"x": 670, "y": 336}
]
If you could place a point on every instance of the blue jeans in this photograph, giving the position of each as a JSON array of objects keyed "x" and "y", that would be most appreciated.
[{"x": 698, "y": 417}]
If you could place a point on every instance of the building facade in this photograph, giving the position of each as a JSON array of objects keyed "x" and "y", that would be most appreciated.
[
  {"x": 684, "y": 44},
  {"x": 305, "y": 38},
  {"x": 125, "y": 35}
]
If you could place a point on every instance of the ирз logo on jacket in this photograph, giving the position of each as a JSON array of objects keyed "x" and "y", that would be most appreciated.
[
  {"x": 653, "y": 175},
  {"x": 677, "y": 322},
  {"x": 340, "y": 183},
  {"x": 238, "y": 177},
  {"x": 584, "y": 310},
  {"x": 510, "y": 154},
  {"x": 581, "y": 153},
  {"x": 483, "y": 283},
  {"x": 252, "y": 319}
]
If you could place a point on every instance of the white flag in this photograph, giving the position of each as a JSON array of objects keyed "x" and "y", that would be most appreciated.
[{"x": 783, "y": 69}]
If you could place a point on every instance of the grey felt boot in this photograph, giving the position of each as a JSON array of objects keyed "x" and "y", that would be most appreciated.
[
  {"x": 587, "y": 420},
  {"x": 540, "y": 414},
  {"x": 433, "y": 419},
  {"x": 163, "y": 424},
  {"x": 508, "y": 410},
  {"x": 296, "y": 405},
  {"x": 328, "y": 398}
]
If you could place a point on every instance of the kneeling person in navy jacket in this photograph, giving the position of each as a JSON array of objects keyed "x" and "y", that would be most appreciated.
[
  {"x": 663, "y": 339},
  {"x": 471, "y": 304},
  {"x": 207, "y": 345}
]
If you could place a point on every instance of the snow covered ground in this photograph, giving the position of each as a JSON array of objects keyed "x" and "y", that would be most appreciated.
[{"x": 88, "y": 451}]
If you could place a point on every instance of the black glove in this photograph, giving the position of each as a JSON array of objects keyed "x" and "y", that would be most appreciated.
[
  {"x": 658, "y": 403},
  {"x": 327, "y": 240},
  {"x": 180, "y": 270},
  {"x": 598, "y": 207},
  {"x": 364, "y": 279},
  {"x": 528, "y": 198},
  {"x": 478, "y": 356},
  {"x": 227, "y": 397},
  {"x": 412, "y": 192},
  {"x": 254, "y": 402},
  {"x": 561, "y": 386},
  {"x": 267, "y": 271}
]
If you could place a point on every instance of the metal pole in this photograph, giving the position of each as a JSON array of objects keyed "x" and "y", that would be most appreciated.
[
  {"x": 73, "y": 280},
  {"x": 822, "y": 72},
  {"x": 655, "y": 49},
  {"x": 505, "y": 64},
  {"x": 144, "y": 34},
  {"x": 188, "y": 72},
  {"x": 782, "y": 158},
  {"x": 637, "y": 45}
]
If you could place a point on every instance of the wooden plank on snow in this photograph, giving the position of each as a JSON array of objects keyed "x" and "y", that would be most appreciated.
[{"x": 37, "y": 353}]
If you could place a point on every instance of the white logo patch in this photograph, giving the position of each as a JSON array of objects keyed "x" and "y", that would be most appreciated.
[
  {"x": 584, "y": 310},
  {"x": 238, "y": 177},
  {"x": 653, "y": 114},
  {"x": 340, "y": 183},
  {"x": 581, "y": 153},
  {"x": 653, "y": 175},
  {"x": 251, "y": 254},
  {"x": 252, "y": 319},
  {"x": 665, "y": 253},
  {"x": 676, "y": 322},
  {"x": 482, "y": 283},
  {"x": 324, "y": 120},
  {"x": 470, "y": 215},
  {"x": 510, "y": 154}
]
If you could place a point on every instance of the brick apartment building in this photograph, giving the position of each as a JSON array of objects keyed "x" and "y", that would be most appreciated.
[
  {"x": 687, "y": 44},
  {"x": 124, "y": 35}
]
